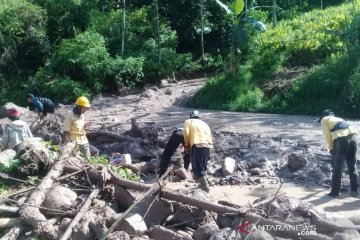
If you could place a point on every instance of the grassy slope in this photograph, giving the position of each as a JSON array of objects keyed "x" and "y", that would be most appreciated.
[{"x": 315, "y": 40}]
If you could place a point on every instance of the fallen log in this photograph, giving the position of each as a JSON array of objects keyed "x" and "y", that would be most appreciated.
[
  {"x": 201, "y": 204},
  {"x": 141, "y": 187},
  {"x": 175, "y": 196},
  {"x": 30, "y": 213},
  {"x": 8, "y": 222},
  {"x": 152, "y": 189},
  {"x": 8, "y": 209},
  {"x": 4, "y": 198},
  {"x": 79, "y": 215},
  {"x": 326, "y": 226},
  {"x": 162, "y": 233},
  {"x": 13, "y": 233},
  {"x": 98, "y": 137}
]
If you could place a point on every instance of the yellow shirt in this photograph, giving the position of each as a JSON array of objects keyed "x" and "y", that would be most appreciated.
[
  {"x": 75, "y": 125},
  {"x": 197, "y": 132},
  {"x": 327, "y": 124}
]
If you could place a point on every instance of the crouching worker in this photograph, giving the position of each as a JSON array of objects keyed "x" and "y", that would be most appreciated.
[
  {"x": 16, "y": 131},
  {"x": 42, "y": 106},
  {"x": 198, "y": 139},
  {"x": 176, "y": 138},
  {"x": 341, "y": 140},
  {"x": 74, "y": 126}
]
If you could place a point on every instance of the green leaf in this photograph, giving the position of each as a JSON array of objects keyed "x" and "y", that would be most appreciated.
[{"x": 238, "y": 6}]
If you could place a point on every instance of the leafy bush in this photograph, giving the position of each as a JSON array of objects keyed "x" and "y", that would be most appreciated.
[
  {"x": 80, "y": 59},
  {"x": 118, "y": 73},
  {"x": 22, "y": 36}
]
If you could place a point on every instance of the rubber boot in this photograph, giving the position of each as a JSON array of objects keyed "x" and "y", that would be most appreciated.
[{"x": 204, "y": 184}]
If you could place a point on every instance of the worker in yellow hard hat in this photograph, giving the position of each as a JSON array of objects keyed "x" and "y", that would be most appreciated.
[{"x": 74, "y": 126}]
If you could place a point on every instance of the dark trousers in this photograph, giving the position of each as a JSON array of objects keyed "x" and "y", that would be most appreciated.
[
  {"x": 48, "y": 107},
  {"x": 344, "y": 151},
  {"x": 199, "y": 160},
  {"x": 175, "y": 140}
]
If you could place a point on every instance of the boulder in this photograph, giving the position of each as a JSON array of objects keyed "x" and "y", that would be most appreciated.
[
  {"x": 204, "y": 232},
  {"x": 260, "y": 235},
  {"x": 347, "y": 235},
  {"x": 59, "y": 198},
  {"x": 132, "y": 224},
  {"x": 296, "y": 161},
  {"x": 228, "y": 166}
]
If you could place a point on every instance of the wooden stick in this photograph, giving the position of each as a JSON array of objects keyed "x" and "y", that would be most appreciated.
[
  {"x": 6, "y": 196},
  {"x": 31, "y": 214},
  {"x": 79, "y": 215},
  {"x": 122, "y": 216},
  {"x": 13, "y": 233},
  {"x": 6, "y": 176},
  {"x": 9, "y": 209},
  {"x": 8, "y": 222}
]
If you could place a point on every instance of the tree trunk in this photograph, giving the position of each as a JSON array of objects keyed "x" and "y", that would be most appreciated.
[
  {"x": 123, "y": 30},
  {"x": 79, "y": 215},
  {"x": 30, "y": 213}
]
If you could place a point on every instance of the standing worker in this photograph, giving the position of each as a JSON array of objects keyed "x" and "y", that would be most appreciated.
[
  {"x": 341, "y": 141},
  {"x": 198, "y": 140},
  {"x": 176, "y": 138},
  {"x": 74, "y": 126},
  {"x": 42, "y": 106},
  {"x": 16, "y": 131}
]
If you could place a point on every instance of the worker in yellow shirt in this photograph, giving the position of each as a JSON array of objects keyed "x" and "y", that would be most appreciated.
[
  {"x": 198, "y": 140},
  {"x": 341, "y": 140},
  {"x": 74, "y": 126}
]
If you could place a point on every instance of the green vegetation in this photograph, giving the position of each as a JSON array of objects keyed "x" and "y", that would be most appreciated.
[
  {"x": 325, "y": 42},
  {"x": 122, "y": 172},
  {"x": 61, "y": 49}
]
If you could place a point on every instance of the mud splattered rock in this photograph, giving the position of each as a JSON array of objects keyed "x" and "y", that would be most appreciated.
[
  {"x": 228, "y": 166},
  {"x": 149, "y": 93},
  {"x": 204, "y": 232},
  {"x": 296, "y": 161},
  {"x": 132, "y": 224},
  {"x": 59, "y": 198},
  {"x": 347, "y": 235},
  {"x": 260, "y": 235},
  {"x": 118, "y": 235},
  {"x": 193, "y": 217}
]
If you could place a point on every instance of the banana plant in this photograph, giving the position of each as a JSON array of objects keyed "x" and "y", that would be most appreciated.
[{"x": 239, "y": 17}]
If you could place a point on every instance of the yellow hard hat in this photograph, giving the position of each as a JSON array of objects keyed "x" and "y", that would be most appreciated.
[{"x": 82, "y": 102}]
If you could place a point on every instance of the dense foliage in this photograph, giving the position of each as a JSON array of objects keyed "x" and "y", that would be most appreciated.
[{"x": 63, "y": 48}]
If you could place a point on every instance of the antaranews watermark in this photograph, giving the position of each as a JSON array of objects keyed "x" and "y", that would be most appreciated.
[{"x": 300, "y": 229}]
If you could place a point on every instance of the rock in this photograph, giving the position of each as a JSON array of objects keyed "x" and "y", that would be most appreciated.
[
  {"x": 149, "y": 93},
  {"x": 164, "y": 83},
  {"x": 82, "y": 230},
  {"x": 185, "y": 234},
  {"x": 347, "y": 235},
  {"x": 224, "y": 221},
  {"x": 168, "y": 91},
  {"x": 296, "y": 161},
  {"x": 64, "y": 223},
  {"x": 242, "y": 166},
  {"x": 34, "y": 155},
  {"x": 153, "y": 165},
  {"x": 59, "y": 198},
  {"x": 6, "y": 156},
  {"x": 204, "y": 232},
  {"x": 260, "y": 235},
  {"x": 255, "y": 171},
  {"x": 190, "y": 216},
  {"x": 132, "y": 224},
  {"x": 225, "y": 234},
  {"x": 118, "y": 235},
  {"x": 123, "y": 198},
  {"x": 228, "y": 166},
  {"x": 7, "y": 106},
  {"x": 181, "y": 172},
  {"x": 161, "y": 233}
]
